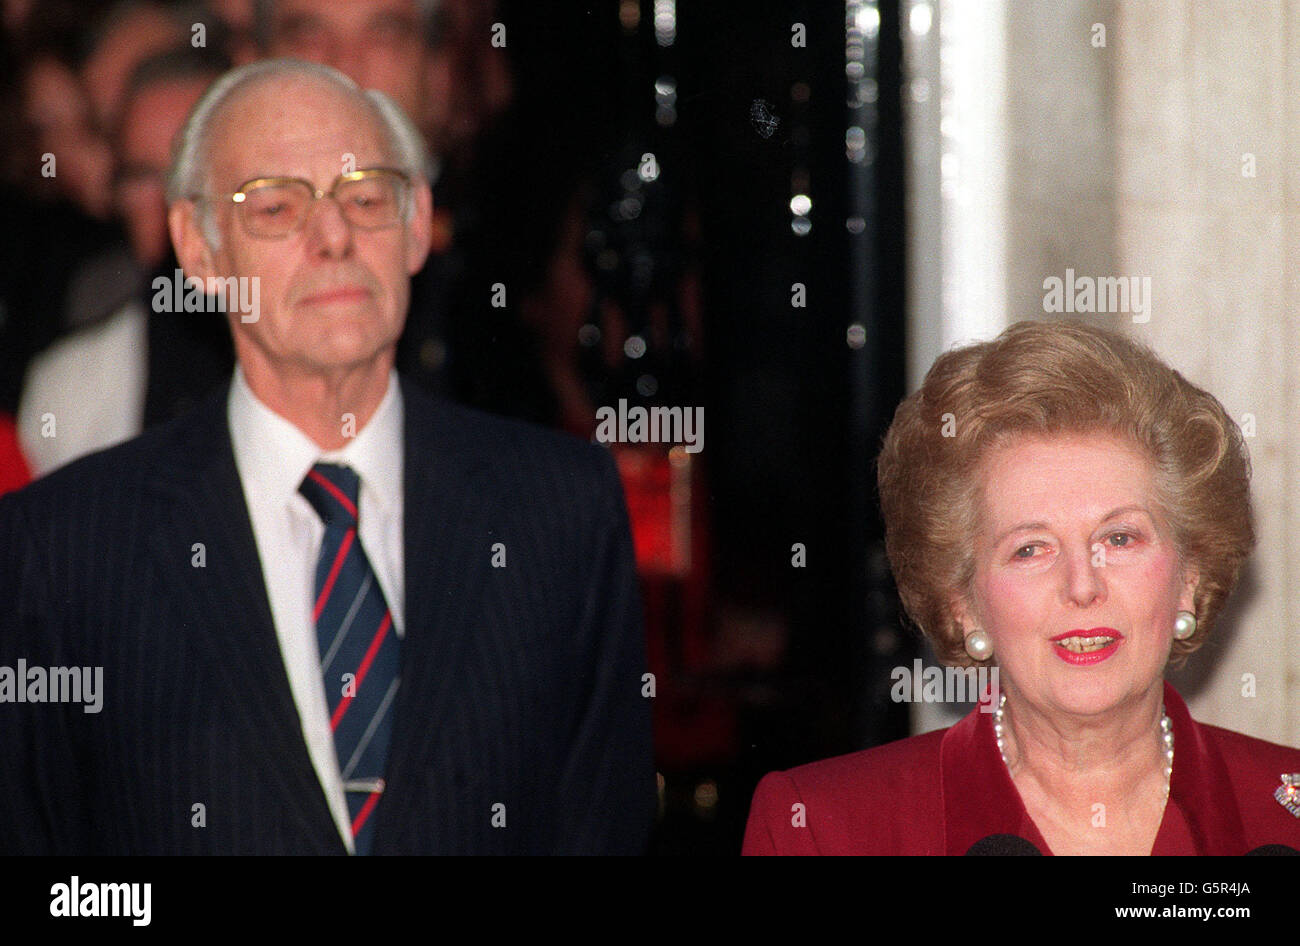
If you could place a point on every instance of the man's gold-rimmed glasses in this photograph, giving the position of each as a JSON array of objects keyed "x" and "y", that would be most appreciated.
[{"x": 272, "y": 208}]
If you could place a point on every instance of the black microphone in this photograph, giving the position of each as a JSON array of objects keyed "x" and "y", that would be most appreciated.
[
  {"x": 1004, "y": 845},
  {"x": 1272, "y": 849}
]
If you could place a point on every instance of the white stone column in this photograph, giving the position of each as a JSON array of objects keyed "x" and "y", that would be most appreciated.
[
  {"x": 1148, "y": 138},
  {"x": 1207, "y": 161}
]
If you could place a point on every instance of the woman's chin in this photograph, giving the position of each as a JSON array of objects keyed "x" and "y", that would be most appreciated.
[{"x": 1097, "y": 694}]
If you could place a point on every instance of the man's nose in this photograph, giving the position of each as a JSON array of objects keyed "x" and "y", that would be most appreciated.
[{"x": 327, "y": 229}]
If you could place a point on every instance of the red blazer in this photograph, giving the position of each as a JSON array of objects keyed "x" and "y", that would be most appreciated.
[{"x": 888, "y": 800}]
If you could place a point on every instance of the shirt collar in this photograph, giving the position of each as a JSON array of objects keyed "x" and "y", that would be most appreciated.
[
  {"x": 274, "y": 456},
  {"x": 375, "y": 453},
  {"x": 980, "y": 799}
]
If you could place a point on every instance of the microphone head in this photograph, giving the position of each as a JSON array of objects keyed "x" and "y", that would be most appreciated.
[
  {"x": 1003, "y": 845},
  {"x": 1267, "y": 850}
]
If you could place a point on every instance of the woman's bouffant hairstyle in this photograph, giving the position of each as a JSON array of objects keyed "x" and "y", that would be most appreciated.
[{"x": 1048, "y": 378}]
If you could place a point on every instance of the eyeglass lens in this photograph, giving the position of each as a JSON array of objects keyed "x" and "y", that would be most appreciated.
[{"x": 368, "y": 203}]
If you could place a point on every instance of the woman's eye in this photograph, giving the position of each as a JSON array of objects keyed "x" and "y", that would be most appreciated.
[
  {"x": 1120, "y": 540},
  {"x": 1025, "y": 551}
]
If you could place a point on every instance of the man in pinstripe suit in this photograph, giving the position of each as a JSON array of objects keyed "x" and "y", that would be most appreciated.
[{"x": 333, "y": 615}]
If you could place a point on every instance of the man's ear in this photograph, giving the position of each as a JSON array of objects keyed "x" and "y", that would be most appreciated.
[
  {"x": 192, "y": 250},
  {"x": 419, "y": 231}
]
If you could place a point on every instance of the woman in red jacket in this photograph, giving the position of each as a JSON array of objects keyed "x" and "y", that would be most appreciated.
[{"x": 1064, "y": 508}]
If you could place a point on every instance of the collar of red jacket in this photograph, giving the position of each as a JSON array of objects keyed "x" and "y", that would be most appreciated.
[{"x": 979, "y": 798}]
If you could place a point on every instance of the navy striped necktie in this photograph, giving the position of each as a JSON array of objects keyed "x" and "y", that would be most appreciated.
[{"x": 358, "y": 645}]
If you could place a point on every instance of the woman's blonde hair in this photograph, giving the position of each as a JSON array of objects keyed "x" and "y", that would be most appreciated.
[{"x": 1049, "y": 378}]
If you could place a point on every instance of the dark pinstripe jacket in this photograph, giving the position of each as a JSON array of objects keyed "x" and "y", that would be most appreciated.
[{"x": 521, "y": 686}]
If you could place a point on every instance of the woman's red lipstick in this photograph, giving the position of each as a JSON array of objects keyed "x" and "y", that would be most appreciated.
[{"x": 1083, "y": 647}]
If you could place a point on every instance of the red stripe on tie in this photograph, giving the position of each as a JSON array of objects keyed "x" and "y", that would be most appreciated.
[
  {"x": 360, "y": 821},
  {"x": 335, "y": 492},
  {"x": 334, "y": 573},
  {"x": 363, "y": 669}
]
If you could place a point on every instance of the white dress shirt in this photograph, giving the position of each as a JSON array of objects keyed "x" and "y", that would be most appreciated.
[{"x": 273, "y": 456}]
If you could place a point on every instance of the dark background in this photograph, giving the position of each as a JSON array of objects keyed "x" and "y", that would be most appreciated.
[{"x": 794, "y": 414}]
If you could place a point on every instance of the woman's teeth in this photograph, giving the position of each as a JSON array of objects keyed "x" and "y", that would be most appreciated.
[{"x": 1084, "y": 645}]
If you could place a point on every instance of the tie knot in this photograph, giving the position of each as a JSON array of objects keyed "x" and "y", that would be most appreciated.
[{"x": 332, "y": 491}]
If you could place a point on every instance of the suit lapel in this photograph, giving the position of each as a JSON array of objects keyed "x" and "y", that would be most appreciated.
[
  {"x": 443, "y": 563},
  {"x": 225, "y": 601},
  {"x": 1201, "y": 788}
]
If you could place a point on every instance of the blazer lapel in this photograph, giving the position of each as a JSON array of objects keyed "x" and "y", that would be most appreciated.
[
  {"x": 979, "y": 798},
  {"x": 227, "y": 605},
  {"x": 1201, "y": 788}
]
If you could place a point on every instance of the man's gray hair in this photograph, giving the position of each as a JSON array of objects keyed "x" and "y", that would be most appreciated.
[{"x": 190, "y": 173}]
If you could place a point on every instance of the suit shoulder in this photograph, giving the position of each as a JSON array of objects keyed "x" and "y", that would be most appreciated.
[
  {"x": 120, "y": 464},
  {"x": 98, "y": 476},
  {"x": 504, "y": 442}
]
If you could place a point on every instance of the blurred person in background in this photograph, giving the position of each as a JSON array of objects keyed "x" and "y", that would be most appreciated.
[
  {"x": 128, "y": 34},
  {"x": 132, "y": 31},
  {"x": 54, "y": 179},
  {"x": 379, "y": 44},
  {"x": 468, "y": 88},
  {"x": 62, "y": 124},
  {"x": 238, "y": 20},
  {"x": 109, "y": 380}
]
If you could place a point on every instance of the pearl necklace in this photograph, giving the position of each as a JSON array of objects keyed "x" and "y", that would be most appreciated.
[{"x": 1166, "y": 739}]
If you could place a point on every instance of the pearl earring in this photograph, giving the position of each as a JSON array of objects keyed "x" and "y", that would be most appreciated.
[
  {"x": 978, "y": 645},
  {"x": 1184, "y": 625}
]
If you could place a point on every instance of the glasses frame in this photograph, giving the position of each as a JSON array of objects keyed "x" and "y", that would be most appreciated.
[{"x": 240, "y": 194}]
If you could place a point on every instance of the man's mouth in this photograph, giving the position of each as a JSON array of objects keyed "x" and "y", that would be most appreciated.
[{"x": 340, "y": 294}]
